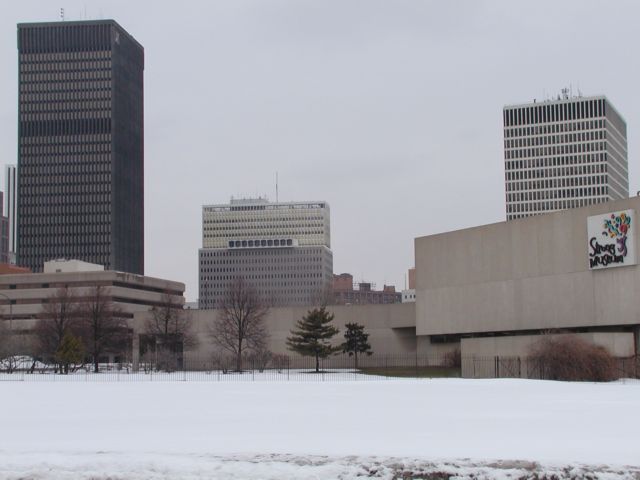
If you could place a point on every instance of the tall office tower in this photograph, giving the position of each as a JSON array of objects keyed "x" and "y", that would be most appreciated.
[
  {"x": 10, "y": 206},
  {"x": 81, "y": 145},
  {"x": 4, "y": 234},
  {"x": 564, "y": 153},
  {"x": 282, "y": 249}
]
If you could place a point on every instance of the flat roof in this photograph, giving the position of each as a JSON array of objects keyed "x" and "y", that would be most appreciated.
[
  {"x": 556, "y": 101},
  {"x": 71, "y": 23}
]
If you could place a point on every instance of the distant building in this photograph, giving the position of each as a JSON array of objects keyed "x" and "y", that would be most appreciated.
[
  {"x": 283, "y": 249},
  {"x": 409, "y": 294},
  {"x": 412, "y": 278},
  {"x": 346, "y": 292},
  {"x": 80, "y": 145},
  {"x": 4, "y": 234},
  {"x": 565, "y": 153},
  {"x": 7, "y": 268},
  {"x": 11, "y": 207}
]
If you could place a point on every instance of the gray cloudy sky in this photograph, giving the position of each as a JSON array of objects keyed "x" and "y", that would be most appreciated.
[{"x": 389, "y": 110}]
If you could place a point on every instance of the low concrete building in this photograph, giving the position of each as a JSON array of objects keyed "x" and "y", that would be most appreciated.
[
  {"x": 493, "y": 290},
  {"x": 23, "y": 294}
]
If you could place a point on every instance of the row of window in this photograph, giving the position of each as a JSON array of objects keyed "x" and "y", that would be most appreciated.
[
  {"x": 556, "y": 150},
  {"x": 95, "y": 153},
  {"x": 217, "y": 218},
  {"x": 84, "y": 167},
  {"x": 538, "y": 207},
  {"x": 53, "y": 57},
  {"x": 554, "y": 112},
  {"x": 234, "y": 254},
  {"x": 66, "y": 66},
  {"x": 254, "y": 275},
  {"x": 560, "y": 172},
  {"x": 232, "y": 232},
  {"x": 556, "y": 139},
  {"x": 51, "y": 142},
  {"x": 260, "y": 243},
  {"x": 553, "y": 194},
  {"x": 548, "y": 184},
  {"x": 298, "y": 261},
  {"x": 553, "y": 128},
  {"x": 39, "y": 110},
  {"x": 566, "y": 194},
  {"x": 556, "y": 161}
]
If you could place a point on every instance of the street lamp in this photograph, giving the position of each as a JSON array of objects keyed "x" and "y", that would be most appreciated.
[{"x": 10, "y": 311}]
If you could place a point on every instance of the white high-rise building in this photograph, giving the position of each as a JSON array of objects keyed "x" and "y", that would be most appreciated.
[
  {"x": 10, "y": 207},
  {"x": 283, "y": 249},
  {"x": 564, "y": 153}
]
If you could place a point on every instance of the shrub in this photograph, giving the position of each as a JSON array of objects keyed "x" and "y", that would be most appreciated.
[
  {"x": 453, "y": 359},
  {"x": 570, "y": 358}
]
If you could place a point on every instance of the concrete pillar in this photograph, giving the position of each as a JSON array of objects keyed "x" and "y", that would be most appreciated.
[{"x": 135, "y": 353}]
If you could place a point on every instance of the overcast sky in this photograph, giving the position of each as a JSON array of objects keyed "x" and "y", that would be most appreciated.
[{"x": 389, "y": 110}]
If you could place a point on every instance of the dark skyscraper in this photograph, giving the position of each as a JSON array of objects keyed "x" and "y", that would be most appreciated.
[{"x": 81, "y": 145}]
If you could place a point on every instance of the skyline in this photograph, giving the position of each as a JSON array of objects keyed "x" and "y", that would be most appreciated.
[{"x": 354, "y": 118}]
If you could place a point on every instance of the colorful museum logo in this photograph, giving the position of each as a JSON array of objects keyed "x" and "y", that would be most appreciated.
[{"x": 611, "y": 240}]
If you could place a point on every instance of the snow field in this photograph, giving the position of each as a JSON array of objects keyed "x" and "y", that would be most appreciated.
[{"x": 223, "y": 427}]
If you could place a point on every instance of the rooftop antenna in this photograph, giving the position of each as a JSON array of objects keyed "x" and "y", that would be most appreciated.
[
  {"x": 62, "y": 14},
  {"x": 276, "y": 187}
]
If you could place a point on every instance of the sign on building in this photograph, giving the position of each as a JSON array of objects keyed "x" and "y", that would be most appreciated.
[{"x": 612, "y": 239}]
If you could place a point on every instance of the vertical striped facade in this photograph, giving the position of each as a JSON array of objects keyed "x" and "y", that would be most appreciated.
[
  {"x": 563, "y": 154},
  {"x": 81, "y": 145},
  {"x": 11, "y": 205}
]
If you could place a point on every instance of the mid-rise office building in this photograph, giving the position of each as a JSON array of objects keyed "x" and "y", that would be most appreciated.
[
  {"x": 80, "y": 145},
  {"x": 11, "y": 207},
  {"x": 283, "y": 249},
  {"x": 566, "y": 153}
]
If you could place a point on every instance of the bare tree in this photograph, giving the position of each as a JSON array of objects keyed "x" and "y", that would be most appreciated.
[
  {"x": 239, "y": 326},
  {"x": 103, "y": 327},
  {"x": 8, "y": 348},
  {"x": 170, "y": 328},
  {"x": 58, "y": 316}
]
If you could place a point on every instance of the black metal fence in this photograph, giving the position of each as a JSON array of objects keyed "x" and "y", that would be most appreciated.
[{"x": 292, "y": 368}]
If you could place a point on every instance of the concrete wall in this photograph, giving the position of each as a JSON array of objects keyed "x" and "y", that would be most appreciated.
[
  {"x": 619, "y": 344},
  {"x": 390, "y": 327},
  {"x": 493, "y": 357},
  {"x": 525, "y": 274}
]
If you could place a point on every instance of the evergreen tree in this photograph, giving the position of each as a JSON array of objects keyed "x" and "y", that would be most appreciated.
[
  {"x": 70, "y": 352},
  {"x": 312, "y": 334},
  {"x": 356, "y": 341}
]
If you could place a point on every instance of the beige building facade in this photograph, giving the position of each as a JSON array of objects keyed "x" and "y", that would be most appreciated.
[{"x": 522, "y": 278}]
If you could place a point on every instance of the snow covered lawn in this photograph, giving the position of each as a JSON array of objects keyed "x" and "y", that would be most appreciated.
[{"x": 315, "y": 430}]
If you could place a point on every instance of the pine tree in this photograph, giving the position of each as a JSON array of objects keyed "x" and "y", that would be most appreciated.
[
  {"x": 356, "y": 341},
  {"x": 70, "y": 352},
  {"x": 311, "y": 338}
]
